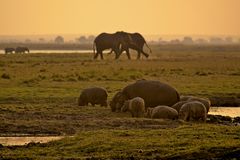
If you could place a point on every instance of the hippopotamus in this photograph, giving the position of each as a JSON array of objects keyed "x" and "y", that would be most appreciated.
[
  {"x": 154, "y": 93},
  {"x": 94, "y": 95}
]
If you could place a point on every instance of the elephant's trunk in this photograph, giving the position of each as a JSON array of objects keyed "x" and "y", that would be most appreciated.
[{"x": 148, "y": 47}]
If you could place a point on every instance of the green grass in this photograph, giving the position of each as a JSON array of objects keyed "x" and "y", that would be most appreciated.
[
  {"x": 194, "y": 141},
  {"x": 38, "y": 95},
  {"x": 204, "y": 74}
]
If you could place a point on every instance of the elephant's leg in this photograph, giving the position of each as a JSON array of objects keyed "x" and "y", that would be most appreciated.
[
  {"x": 145, "y": 54},
  {"x": 101, "y": 55},
  {"x": 118, "y": 52},
  {"x": 139, "y": 54},
  {"x": 116, "y": 55},
  {"x": 128, "y": 54},
  {"x": 95, "y": 56}
]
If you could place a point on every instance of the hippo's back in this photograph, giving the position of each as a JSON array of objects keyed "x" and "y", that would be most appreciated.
[{"x": 154, "y": 93}]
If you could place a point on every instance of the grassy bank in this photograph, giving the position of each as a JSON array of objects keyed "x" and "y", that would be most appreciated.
[
  {"x": 38, "y": 95},
  {"x": 192, "y": 141}
]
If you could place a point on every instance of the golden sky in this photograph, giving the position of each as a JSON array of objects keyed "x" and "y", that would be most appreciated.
[{"x": 182, "y": 17}]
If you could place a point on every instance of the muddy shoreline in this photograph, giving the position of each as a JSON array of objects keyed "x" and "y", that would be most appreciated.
[
  {"x": 226, "y": 101},
  {"x": 113, "y": 124}
]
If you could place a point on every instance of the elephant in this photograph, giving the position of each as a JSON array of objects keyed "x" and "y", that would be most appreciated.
[
  {"x": 9, "y": 50},
  {"x": 193, "y": 111},
  {"x": 135, "y": 106},
  {"x": 22, "y": 50},
  {"x": 162, "y": 112},
  {"x": 93, "y": 95},
  {"x": 133, "y": 41},
  {"x": 154, "y": 93},
  {"x": 107, "y": 41}
]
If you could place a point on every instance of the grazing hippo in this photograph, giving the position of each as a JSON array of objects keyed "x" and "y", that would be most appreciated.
[
  {"x": 154, "y": 93},
  {"x": 193, "y": 111},
  {"x": 204, "y": 101},
  {"x": 115, "y": 106},
  {"x": 178, "y": 105},
  {"x": 94, "y": 95},
  {"x": 135, "y": 106},
  {"x": 162, "y": 112},
  {"x": 185, "y": 98}
]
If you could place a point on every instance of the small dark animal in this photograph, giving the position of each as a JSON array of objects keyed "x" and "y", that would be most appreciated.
[
  {"x": 135, "y": 106},
  {"x": 94, "y": 95},
  {"x": 22, "y": 50},
  {"x": 193, "y": 111},
  {"x": 9, "y": 50}
]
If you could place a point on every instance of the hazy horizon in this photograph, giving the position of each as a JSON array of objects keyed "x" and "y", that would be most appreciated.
[
  {"x": 148, "y": 37},
  {"x": 149, "y": 17}
]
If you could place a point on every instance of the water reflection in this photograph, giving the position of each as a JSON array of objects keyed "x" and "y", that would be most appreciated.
[
  {"x": 225, "y": 111},
  {"x": 11, "y": 141},
  {"x": 59, "y": 51}
]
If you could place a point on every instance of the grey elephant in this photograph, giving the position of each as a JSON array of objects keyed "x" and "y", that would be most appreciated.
[
  {"x": 193, "y": 111},
  {"x": 22, "y": 50},
  {"x": 94, "y": 95},
  {"x": 107, "y": 41},
  {"x": 9, "y": 50},
  {"x": 154, "y": 93},
  {"x": 162, "y": 112},
  {"x": 133, "y": 41},
  {"x": 135, "y": 106}
]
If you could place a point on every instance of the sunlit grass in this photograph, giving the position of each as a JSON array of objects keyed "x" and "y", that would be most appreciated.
[{"x": 38, "y": 94}]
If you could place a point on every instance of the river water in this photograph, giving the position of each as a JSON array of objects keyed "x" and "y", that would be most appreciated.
[
  {"x": 225, "y": 111},
  {"x": 58, "y": 51},
  {"x": 12, "y": 141}
]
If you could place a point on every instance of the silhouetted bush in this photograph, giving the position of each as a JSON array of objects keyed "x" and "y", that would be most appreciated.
[{"x": 5, "y": 76}]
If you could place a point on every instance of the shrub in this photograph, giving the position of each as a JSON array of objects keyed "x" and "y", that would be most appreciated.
[{"x": 5, "y": 76}]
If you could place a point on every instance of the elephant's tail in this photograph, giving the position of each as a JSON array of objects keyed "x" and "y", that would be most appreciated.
[{"x": 148, "y": 47}]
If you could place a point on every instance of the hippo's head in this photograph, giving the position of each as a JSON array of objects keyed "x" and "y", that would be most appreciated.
[
  {"x": 148, "y": 113},
  {"x": 80, "y": 102},
  {"x": 117, "y": 101},
  {"x": 125, "y": 106},
  {"x": 182, "y": 115}
]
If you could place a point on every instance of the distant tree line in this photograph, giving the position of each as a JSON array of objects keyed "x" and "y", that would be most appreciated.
[
  {"x": 89, "y": 40},
  {"x": 190, "y": 41}
]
